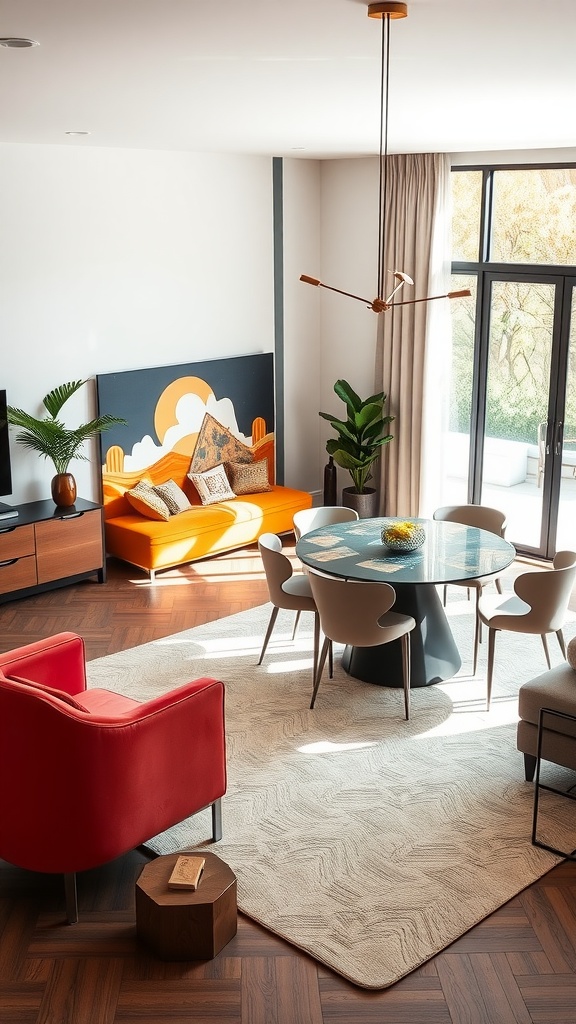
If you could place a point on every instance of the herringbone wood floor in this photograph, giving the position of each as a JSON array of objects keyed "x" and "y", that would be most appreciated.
[{"x": 516, "y": 967}]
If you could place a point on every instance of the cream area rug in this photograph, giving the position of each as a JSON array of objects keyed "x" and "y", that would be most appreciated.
[{"x": 365, "y": 840}]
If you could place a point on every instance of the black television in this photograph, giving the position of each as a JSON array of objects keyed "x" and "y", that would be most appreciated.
[{"x": 6, "y": 511}]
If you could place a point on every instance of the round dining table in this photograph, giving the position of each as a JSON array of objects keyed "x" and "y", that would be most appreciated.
[{"x": 451, "y": 552}]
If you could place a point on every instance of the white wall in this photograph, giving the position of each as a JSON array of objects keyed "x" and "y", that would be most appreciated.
[{"x": 117, "y": 259}]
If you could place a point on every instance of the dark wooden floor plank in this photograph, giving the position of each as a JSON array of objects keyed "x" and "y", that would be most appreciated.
[
  {"x": 463, "y": 993},
  {"x": 180, "y": 1002},
  {"x": 297, "y": 991},
  {"x": 19, "y": 1003},
  {"x": 400, "y": 1004},
  {"x": 500, "y": 991},
  {"x": 556, "y": 944}
]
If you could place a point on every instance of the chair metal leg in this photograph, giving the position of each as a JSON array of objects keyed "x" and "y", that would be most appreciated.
[
  {"x": 499, "y": 586},
  {"x": 216, "y": 820},
  {"x": 331, "y": 660},
  {"x": 546, "y": 651},
  {"x": 71, "y": 897},
  {"x": 273, "y": 618},
  {"x": 319, "y": 670},
  {"x": 296, "y": 621},
  {"x": 477, "y": 630},
  {"x": 406, "y": 673},
  {"x": 490, "y": 669},
  {"x": 316, "y": 644},
  {"x": 445, "y": 595},
  {"x": 560, "y": 636}
]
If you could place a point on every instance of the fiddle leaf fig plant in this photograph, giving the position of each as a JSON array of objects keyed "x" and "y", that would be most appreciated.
[
  {"x": 361, "y": 435},
  {"x": 49, "y": 436}
]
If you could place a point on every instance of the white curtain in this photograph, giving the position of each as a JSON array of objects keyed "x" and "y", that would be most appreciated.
[{"x": 414, "y": 342}]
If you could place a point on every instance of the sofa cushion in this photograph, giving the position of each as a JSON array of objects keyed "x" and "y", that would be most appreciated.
[
  {"x": 555, "y": 689},
  {"x": 173, "y": 496},
  {"x": 147, "y": 502},
  {"x": 248, "y": 478},
  {"x": 212, "y": 486},
  {"x": 52, "y": 690}
]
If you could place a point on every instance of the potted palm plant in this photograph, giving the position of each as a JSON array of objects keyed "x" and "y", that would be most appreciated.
[
  {"x": 361, "y": 437},
  {"x": 51, "y": 439}
]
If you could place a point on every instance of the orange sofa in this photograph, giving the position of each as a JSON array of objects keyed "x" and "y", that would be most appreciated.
[{"x": 199, "y": 532}]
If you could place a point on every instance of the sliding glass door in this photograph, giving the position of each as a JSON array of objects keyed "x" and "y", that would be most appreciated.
[
  {"x": 512, "y": 433},
  {"x": 525, "y": 433}
]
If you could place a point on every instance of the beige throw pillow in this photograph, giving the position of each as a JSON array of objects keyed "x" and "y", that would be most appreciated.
[
  {"x": 212, "y": 486},
  {"x": 144, "y": 500},
  {"x": 571, "y": 653},
  {"x": 173, "y": 496},
  {"x": 248, "y": 478}
]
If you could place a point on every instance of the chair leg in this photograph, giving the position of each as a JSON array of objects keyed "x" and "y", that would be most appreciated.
[
  {"x": 546, "y": 651},
  {"x": 477, "y": 630},
  {"x": 529, "y": 767},
  {"x": 499, "y": 586},
  {"x": 406, "y": 673},
  {"x": 319, "y": 670},
  {"x": 560, "y": 636},
  {"x": 216, "y": 820},
  {"x": 71, "y": 897},
  {"x": 445, "y": 595},
  {"x": 316, "y": 644},
  {"x": 296, "y": 621},
  {"x": 273, "y": 618},
  {"x": 490, "y": 669},
  {"x": 331, "y": 660}
]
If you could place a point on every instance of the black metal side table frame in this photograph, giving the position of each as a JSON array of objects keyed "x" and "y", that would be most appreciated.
[{"x": 551, "y": 789}]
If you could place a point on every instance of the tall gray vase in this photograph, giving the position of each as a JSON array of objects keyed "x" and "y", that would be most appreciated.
[{"x": 366, "y": 505}]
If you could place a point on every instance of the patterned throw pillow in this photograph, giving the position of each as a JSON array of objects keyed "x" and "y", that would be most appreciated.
[
  {"x": 251, "y": 478},
  {"x": 215, "y": 445},
  {"x": 144, "y": 499},
  {"x": 212, "y": 486},
  {"x": 173, "y": 496}
]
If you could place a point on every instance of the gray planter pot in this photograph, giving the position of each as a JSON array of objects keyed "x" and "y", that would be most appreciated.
[{"x": 366, "y": 505}]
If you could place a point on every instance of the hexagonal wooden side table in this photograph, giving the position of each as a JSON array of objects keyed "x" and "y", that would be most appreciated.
[{"x": 183, "y": 924}]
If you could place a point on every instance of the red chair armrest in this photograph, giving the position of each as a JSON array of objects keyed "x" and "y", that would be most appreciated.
[{"x": 58, "y": 661}]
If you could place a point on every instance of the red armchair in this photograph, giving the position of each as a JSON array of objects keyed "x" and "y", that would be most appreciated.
[{"x": 87, "y": 774}]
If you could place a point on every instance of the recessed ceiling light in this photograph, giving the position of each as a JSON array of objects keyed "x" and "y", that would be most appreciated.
[{"x": 16, "y": 43}]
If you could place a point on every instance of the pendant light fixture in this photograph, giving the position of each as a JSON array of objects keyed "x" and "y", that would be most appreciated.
[{"x": 385, "y": 11}]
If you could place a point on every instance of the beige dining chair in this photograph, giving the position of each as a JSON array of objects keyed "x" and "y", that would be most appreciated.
[
  {"x": 308, "y": 519},
  {"x": 538, "y": 605},
  {"x": 358, "y": 613},
  {"x": 484, "y": 518},
  {"x": 286, "y": 589}
]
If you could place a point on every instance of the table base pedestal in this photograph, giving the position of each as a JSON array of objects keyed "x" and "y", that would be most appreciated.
[{"x": 434, "y": 654}]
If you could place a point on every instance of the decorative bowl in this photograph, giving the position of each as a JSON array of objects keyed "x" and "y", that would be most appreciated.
[{"x": 403, "y": 535}]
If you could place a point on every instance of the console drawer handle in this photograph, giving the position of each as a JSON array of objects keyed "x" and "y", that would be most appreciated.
[
  {"x": 72, "y": 515},
  {"x": 9, "y": 561},
  {"x": 7, "y": 529}
]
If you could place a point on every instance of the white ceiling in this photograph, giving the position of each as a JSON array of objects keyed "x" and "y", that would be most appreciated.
[{"x": 289, "y": 77}]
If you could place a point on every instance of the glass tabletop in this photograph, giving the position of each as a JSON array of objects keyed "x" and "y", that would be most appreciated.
[{"x": 451, "y": 551}]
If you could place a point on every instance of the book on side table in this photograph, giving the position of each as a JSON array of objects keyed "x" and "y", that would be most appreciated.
[{"x": 186, "y": 872}]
